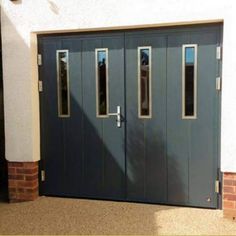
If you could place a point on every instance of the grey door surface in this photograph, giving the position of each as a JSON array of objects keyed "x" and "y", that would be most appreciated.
[
  {"x": 103, "y": 141},
  {"x": 83, "y": 155},
  {"x": 146, "y": 137},
  {"x": 165, "y": 147},
  {"x": 192, "y": 143}
]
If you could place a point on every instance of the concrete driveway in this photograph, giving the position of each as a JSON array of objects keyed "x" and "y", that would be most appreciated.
[{"x": 75, "y": 216}]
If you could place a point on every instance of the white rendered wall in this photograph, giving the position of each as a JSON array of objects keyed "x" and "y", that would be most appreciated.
[{"x": 21, "y": 18}]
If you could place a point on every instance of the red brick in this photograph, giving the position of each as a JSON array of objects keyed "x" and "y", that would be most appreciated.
[
  {"x": 15, "y": 164},
  {"x": 22, "y": 197},
  {"x": 11, "y": 170},
  {"x": 12, "y": 190},
  {"x": 20, "y": 190},
  {"x": 32, "y": 190},
  {"x": 228, "y": 182},
  {"x": 229, "y": 204},
  {"x": 30, "y": 164},
  {"x": 229, "y": 175},
  {"x": 229, "y": 189},
  {"x": 31, "y": 177},
  {"x": 27, "y": 184},
  {"x": 16, "y": 177},
  {"x": 12, "y": 195},
  {"x": 27, "y": 196},
  {"x": 230, "y": 197},
  {"x": 26, "y": 171},
  {"x": 12, "y": 183},
  {"x": 23, "y": 181}
]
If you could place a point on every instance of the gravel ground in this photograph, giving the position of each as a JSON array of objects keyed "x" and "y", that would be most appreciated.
[{"x": 75, "y": 216}]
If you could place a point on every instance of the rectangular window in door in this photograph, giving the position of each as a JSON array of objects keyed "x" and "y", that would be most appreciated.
[
  {"x": 101, "y": 65},
  {"x": 63, "y": 92},
  {"x": 144, "y": 82},
  {"x": 189, "y": 81}
]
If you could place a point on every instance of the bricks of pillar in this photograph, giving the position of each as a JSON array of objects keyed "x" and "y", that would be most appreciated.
[
  {"x": 23, "y": 181},
  {"x": 229, "y": 195}
]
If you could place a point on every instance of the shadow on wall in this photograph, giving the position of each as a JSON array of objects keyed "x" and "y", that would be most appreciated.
[
  {"x": 54, "y": 8},
  {"x": 16, "y": 2}
]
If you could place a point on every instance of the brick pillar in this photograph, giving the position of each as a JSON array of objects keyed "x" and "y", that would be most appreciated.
[
  {"x": 22, "y": 181},
  {"x": 229, "y": 195}
]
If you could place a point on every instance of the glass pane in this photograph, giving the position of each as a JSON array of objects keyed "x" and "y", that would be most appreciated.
[
  {"x": 144, "y": 82},
  {"x": 102, "y": 81},
  {"x": 63, "y": 83},
  {"x": 189, "y": 81}
]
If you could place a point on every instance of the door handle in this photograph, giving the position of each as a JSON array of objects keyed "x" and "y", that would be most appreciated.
[{"x": 118, "y": 116}]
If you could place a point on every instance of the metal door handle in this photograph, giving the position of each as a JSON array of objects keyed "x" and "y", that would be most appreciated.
[{"x": 118, "y": 116}]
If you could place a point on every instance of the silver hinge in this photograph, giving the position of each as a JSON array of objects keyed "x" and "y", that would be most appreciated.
[
  {"x": 40, "y": 60},
  {"x": 42, "y": 175},
  {"x": 217, "y": 186},
  {"x": 40, "y": 85},
  {"x": 218, "y": 83},
  {"x": 218, "y": 52}
]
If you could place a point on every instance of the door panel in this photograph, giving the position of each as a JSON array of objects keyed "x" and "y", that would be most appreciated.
[
  {"x": 114, "y": 137},
  {"x": 146, "y": 137},
  {"x": 73, "y": 125},
  {"x": 203, "y": 131},
  {"x": 177, "y": 129},
  {"x": 52, "y": 127},
  {"x": 93, "y": 145},
  {"x": 103, "y": 141},
  {"x": 191, "y": 143}
]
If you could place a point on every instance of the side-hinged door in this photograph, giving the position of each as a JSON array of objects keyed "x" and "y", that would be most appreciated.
[
  {"x": 61, "y": 115},
  {"x": 146, "y": 117},
  {"x": 103, "y": 111},
  {"x": 193, "y": 116},
  {"x": 82, "y": 116}
]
